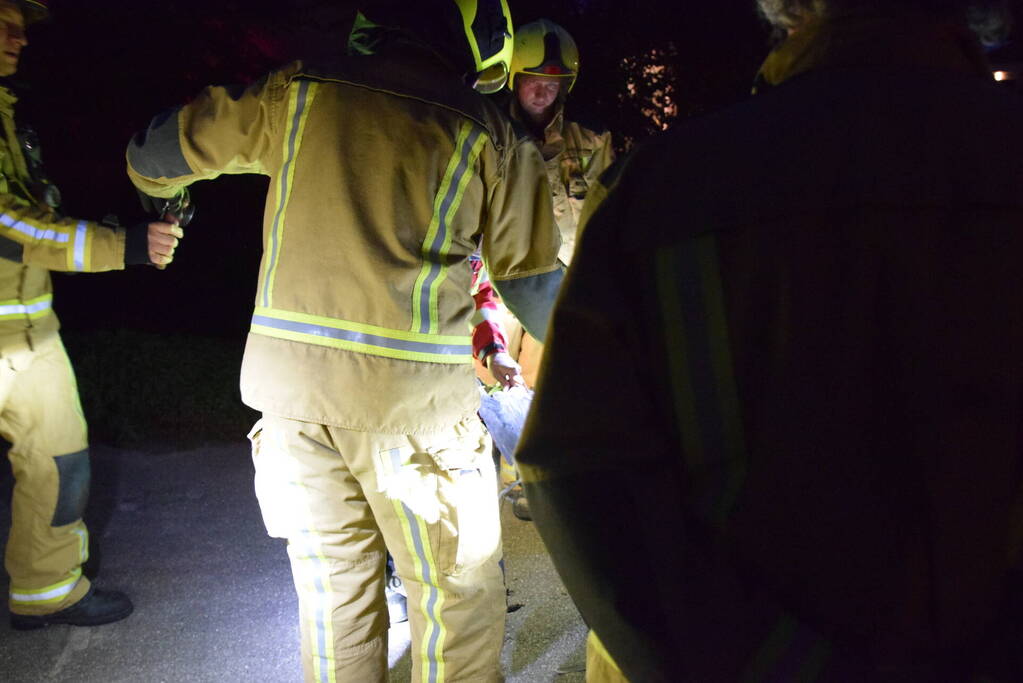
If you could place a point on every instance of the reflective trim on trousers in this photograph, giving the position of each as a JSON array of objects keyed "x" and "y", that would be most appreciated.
[
  {"x": 431, "y": 648},
  {"x": 32, "y": 231},
  {"x": 362, "y": 338},
  {"x": 48, "y": 595},
  {"x": 316, "y": 592},
  {"x": 33, "y": 308}
]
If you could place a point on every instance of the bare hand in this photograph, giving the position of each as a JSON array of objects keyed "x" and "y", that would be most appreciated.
[
  {"x": 505, "y": 370},
  {"x": 163, "y": 239}
]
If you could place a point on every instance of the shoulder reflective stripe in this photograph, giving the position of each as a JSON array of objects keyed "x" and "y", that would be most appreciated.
[
  {"x": 32, "y": 231},
  {"x": 34, "y": 308},
  {"x": 301, "y": 98},
  {"x": 468, "y": 144},
  {"x": 363, "y": 338},
  {"x": 47, "y": 595},
  {"x": 81, "y": 235},
  {"x": 705, "y": 395}
]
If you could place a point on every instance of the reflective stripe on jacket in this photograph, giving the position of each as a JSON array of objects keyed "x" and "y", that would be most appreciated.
[
  {"x": 385, "y": 173},
  {"x": 33, "y": 241},
  {"x": 818, "y": 303}
]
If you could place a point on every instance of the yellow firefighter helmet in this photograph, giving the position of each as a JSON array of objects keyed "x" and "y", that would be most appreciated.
[
  {"x": 545, "y": 49},
  {"x": 488, "y": 32}
]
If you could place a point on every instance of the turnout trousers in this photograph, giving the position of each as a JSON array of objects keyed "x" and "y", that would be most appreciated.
[
  {"x": 342, "y": 499},
  {"x": 41, "y": 416}
]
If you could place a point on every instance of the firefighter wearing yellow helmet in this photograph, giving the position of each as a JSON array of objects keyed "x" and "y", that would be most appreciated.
[
  {"x": 386, "y": 170},
  {"x": 40, "y": 413},
  {"x": 544, "y": 69}
]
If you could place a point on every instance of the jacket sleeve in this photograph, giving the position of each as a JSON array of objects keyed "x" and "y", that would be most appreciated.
[
  {"x": 603, "y": 157},
  {"x": 223, "y": 130},
  {"x": 36, "y": 236},
  {"x": 487, "y": 333},
  {"x": 521, "y": 239}
]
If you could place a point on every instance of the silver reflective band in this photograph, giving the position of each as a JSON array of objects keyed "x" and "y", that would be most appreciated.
[
  {"x": 361, "y": 337},
  {"x": 32, "y": 231},
  {"x": 27, "y": 309},
  {"x": 80, "y": 236}
]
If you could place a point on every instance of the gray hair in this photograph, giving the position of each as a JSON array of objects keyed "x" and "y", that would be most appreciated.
[{"x": 991, "y": 20}]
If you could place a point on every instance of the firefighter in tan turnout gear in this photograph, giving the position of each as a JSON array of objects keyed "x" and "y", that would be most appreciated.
[
  {"x": 544, "y": 69},
  {"x": 386, "y": 173},
  {"x": 40, "y": 414}
]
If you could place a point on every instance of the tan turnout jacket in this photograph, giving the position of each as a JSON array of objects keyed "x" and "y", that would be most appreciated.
[
  {"x": 575, "y": 156},
  {"x": 33, "y": 241},
  {"x": 384, "y": 171}
]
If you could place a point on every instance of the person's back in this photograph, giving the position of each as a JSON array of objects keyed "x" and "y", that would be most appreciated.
[
  {"x": 361, "y": 233},
  {"x": 386, "y": 172},
  {"x": 833, "y": 285}
]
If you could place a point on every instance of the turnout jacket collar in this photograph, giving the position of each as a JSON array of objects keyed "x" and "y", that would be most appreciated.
[
  {"x": 551, "y": 141},
  {"x": 870, "y": 38}
]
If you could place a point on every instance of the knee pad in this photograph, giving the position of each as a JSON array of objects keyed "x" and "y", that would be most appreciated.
[{"x": 73, "y": 493}]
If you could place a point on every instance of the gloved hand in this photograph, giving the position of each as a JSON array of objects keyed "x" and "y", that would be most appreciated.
[
  {"x": 152, "y": 243},
  {"x": 505, "y": 370}
]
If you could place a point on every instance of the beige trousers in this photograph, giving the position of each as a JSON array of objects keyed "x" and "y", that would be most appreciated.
[
  {"x": 40, "y": 415},
  {"x": 342, "y": 499}
]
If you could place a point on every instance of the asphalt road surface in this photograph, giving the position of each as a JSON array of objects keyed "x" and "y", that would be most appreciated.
[{"x": 181, "y": 533}]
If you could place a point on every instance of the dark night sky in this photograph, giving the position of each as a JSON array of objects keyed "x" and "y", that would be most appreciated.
[{"x": 101, "y": 69}]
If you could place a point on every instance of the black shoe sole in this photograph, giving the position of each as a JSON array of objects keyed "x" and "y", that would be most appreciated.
[{"x": 22, "y": 622}]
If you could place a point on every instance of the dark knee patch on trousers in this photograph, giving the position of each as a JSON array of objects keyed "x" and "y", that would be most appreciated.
[{"x": 73, "y": 476}]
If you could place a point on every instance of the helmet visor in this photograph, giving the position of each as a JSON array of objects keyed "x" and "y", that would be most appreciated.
[{"x": 492, "y": 79}]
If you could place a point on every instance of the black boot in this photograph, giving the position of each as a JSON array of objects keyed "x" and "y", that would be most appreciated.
[{"x": 97, "y": 607}]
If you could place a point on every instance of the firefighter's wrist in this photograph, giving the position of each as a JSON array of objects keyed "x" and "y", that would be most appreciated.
[
  {"x": 136, "y": 245},
  {"x": 488, "y": 353}
]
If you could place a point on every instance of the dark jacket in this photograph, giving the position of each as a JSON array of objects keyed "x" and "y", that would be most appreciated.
[{"x": 807, "y": 315}]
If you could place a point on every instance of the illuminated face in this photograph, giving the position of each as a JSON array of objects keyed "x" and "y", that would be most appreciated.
[
  {"x": 12, "y": 37},
  {"x": 537, "y": 93}
]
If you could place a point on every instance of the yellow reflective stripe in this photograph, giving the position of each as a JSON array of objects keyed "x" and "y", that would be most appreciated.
[
  {"x": 434, "y": 227},
  {"x": 35, "y": 308},
  {"x": 703, "y": 381},
  {"x": 300, "y": 102},
  {"x": 431, "y": 647},
  {"x": 48, "y": 595},
  {"x": 361, "y": 337},
  {"x": 463, "y": 181},
  {"x": 468, "y": 143},
  {"x": 316, "y": 592}
]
